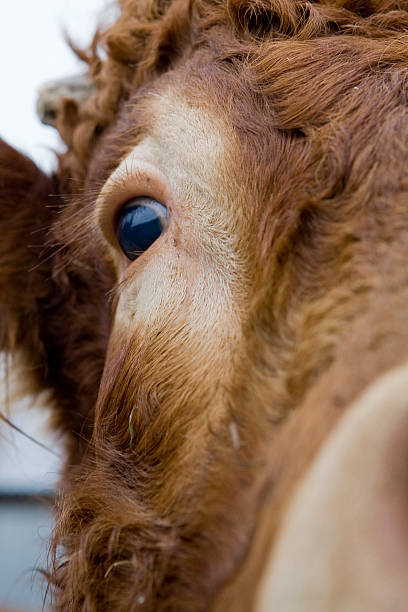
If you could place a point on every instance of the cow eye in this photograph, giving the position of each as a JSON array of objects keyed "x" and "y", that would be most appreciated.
[{"x": 140, "y": 223}]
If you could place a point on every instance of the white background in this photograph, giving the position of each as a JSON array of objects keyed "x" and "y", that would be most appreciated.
[{"x": 33, "y": 51}]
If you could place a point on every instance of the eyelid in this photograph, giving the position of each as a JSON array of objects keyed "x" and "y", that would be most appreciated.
[{"x": 132, "y": 178}]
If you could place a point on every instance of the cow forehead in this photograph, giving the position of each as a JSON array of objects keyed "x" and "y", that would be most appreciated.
[
  {"x": 194, "y": 148},
  {"x": 190, "y": 142}
]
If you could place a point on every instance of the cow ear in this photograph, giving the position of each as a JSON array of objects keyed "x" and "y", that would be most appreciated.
[
  {"x": 28, "y": 201},
  {"x": 58, "y": 315}
]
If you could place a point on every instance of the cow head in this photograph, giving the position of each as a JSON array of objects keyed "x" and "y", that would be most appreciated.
[{"x": 198, "y": 361}]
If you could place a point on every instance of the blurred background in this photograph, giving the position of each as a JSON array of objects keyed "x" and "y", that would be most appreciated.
[{"x": 32, "y": 51}]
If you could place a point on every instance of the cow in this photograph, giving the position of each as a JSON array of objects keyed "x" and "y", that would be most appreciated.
[{"x": 214, "y": 286}]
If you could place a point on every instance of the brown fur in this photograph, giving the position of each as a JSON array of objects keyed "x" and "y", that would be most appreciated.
[{"x": 315, "y": 97}]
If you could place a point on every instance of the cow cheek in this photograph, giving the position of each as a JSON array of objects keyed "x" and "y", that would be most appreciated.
[{"x": 183, "y": 326}]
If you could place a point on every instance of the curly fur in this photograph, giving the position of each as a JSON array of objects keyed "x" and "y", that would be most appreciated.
[{"x": 179, "y": 515}]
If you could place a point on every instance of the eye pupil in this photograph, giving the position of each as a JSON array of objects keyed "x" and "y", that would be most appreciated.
[{"x": 140, "y": 223}]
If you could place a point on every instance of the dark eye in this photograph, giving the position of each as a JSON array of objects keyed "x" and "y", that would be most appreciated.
[{"x": 140, "y": 222}]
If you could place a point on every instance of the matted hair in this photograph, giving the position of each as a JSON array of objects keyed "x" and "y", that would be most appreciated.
[{"x": 291, "y": 50}]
